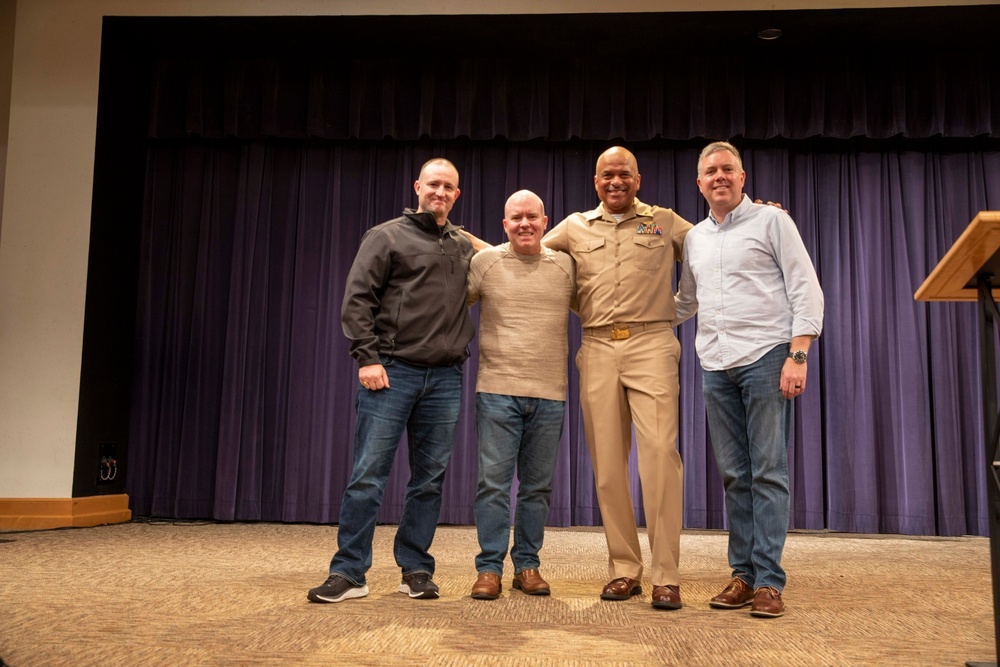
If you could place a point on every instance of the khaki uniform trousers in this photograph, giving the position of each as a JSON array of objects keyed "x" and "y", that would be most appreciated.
[{"x": 628, "y": 382}]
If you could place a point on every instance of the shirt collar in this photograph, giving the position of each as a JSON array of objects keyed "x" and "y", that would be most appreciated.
[
  {"x": 734, "y": 215},
  {"x": 636, "y": 210},
  {"x": 425, "y": 220}
]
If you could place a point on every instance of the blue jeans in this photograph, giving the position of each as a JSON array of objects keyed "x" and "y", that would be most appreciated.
[
  {"x": 425, "y": 402},
  {"x": 749, "y": 421},
  {"x": 522, "y": 432}
]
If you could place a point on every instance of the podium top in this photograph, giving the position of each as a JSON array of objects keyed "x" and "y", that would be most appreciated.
[{"x": 976, "y": 252}]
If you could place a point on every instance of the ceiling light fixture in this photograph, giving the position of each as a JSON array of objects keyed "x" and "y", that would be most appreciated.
[{"x": 769, "y": 34}]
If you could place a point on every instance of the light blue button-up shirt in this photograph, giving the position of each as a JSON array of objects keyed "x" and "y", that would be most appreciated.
[{"x": 751, "y": 282}]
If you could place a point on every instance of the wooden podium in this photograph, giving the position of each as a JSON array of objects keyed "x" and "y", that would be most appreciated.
[{"x": 967, "y": 272}]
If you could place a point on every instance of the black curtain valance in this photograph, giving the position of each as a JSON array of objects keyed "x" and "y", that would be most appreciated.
[{"x": 636, "y": 98}]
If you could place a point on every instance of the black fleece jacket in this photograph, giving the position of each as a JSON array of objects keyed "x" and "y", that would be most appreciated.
[{"x": 405, "y": 294}]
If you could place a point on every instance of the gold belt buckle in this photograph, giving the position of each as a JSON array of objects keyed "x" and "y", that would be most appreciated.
[{"x": 619, "y": 333}]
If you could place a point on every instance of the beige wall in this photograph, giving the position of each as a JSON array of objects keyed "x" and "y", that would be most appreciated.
[
  {"x": 46, "y": 184},
  {"x": 7, "y": 12}
]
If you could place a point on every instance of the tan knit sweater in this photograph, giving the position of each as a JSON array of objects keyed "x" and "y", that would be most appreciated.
[{"x": 524, "y": 311}]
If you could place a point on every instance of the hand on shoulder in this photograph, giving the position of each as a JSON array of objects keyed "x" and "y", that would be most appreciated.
[{"x": 771, "y": 203}]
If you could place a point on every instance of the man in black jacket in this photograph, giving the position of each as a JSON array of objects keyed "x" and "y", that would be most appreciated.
[{"x": 405, "y": 315}]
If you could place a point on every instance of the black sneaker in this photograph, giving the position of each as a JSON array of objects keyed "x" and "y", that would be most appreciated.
[
  {"x": 337, "y": 589},
  {"x": 419, "y": 585}
]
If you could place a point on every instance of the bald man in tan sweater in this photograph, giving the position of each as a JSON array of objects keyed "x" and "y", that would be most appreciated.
[{"x": 525, "y": 292}]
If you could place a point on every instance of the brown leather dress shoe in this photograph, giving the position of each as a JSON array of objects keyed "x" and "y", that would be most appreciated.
[
  {"x": 621, "y": 588},
  {"x": 667, "y": 597},
  {"x": 487, "y": 586},
  {"x": 531, "y": 582},
  {"x": 737, "y": 594},
  {"x": 767, "y": 603}
]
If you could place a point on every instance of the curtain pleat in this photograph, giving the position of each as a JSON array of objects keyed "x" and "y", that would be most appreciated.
[{"x": 670, "y": 96}]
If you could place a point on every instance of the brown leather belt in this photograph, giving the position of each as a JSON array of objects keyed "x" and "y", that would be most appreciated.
[{"x": 623, "y": 330}]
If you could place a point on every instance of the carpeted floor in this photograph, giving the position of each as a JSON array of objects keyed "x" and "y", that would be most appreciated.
[{"x": 235, "y": 594}]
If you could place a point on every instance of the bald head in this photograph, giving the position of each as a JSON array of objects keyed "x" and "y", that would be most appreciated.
[
  {"x": 617, "y": 179},
  {"x": 525, "y": 221},
  {"x": 520, "y": 199},
  {"x": 617, "y": 154}
]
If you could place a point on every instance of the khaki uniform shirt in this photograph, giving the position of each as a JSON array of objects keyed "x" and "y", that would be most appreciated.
[{"x": 624, "y": 270}]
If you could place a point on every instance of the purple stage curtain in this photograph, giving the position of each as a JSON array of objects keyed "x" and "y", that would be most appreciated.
[
  {"x": 661, "y": 95},
  {"x": 243, "y": 389}
]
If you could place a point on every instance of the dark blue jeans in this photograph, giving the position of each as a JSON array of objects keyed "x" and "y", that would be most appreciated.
[
  {"x": 425, "y": 403},
  {"x": 514, "y": 431},
  {"x": 749, "y": 422}
]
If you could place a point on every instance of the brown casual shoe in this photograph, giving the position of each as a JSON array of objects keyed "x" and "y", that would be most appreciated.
[
  {"x": 767, "y": 603},
  {"x": 737, "y": 594},
  {"x": 487, "y": 586},
  {"x": 531, "y": 583},
  {"x": 621, "y": 588},
  {"x": 667, "y": 597}
]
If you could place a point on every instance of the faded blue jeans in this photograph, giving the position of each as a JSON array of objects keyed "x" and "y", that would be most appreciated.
[
  {"x": 749, "y": 421},
  {"x": 514, "y": 431},
  {"x": 425, "y": 403}
]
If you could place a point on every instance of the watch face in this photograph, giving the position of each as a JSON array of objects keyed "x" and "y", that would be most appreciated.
[{"x": 798, "y": 356}]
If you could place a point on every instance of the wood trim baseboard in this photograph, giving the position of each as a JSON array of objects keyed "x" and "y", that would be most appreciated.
[{"x": 46, "y": 513}]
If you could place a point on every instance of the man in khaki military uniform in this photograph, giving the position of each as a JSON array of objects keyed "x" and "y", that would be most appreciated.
[{"x": 625, "y": 252}]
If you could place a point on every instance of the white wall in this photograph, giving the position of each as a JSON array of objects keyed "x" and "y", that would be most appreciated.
[{"x": 45, "y": 192}]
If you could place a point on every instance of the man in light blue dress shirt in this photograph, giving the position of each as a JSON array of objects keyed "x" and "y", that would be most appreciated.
[{"x": 747, "y": 274}]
